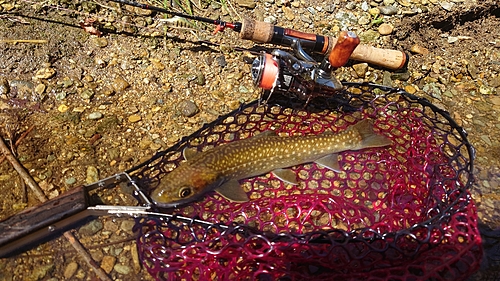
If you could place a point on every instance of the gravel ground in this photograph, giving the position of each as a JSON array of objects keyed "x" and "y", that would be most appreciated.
[{"x": 101, "y": 105}]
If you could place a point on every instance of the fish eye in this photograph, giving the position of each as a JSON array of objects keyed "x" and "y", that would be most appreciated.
[{"x": 185, "y": 192}]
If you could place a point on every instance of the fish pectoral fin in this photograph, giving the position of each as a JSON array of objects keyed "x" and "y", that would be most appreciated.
[
  {"x": 331, "y": 161},
  {"x": 286, "y": 176},
  {"x": 189, "y": 152},
  {"x": 232, "y": 190}
]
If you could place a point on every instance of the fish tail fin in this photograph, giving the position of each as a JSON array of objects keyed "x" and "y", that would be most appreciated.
[{"x": 368, "y": 137}]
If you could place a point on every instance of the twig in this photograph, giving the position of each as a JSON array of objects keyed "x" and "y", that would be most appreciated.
[
  {"x": 15, "y": 41},
  {"x": 18, "y": 141},
  {"x": 41, "y": 197},
  {"x": 22, "y": 172}
]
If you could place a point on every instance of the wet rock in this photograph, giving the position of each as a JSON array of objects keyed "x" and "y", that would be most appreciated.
[
  {"x": 107, "y": 263},
  {"x": 187, "y": 108},
  {"x": 385, "y": 29},
  {"x": 91, "y": 228},
  {"x": 120, "y": 84},
  {"x": 92, "y": 175},
  {"x": 388, "y": 10},
  {"x": 122, "y": 269},
  {"x": 70, "y": 270},
  {"x": 95, "y": 115},
  {"x": 134, "y": 118},
  {"x": 249, "y": 4}
]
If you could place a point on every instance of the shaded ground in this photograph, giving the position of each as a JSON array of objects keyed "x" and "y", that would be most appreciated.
[{"x": 109, "y": 103}]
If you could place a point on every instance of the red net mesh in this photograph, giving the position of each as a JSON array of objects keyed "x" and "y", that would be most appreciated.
[{"x": 401, "y": 212}]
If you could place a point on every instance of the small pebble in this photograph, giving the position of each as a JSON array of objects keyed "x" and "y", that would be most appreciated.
[
  {"x": 134, "y": 118},
  {"x": 410, "y": 89},
  {"x": 419, "y": 50},
  {"x": 92, "y": 175},
  {"x": 4, "y": 86},
  {"x": 221, "y": 61},
  {"x": 101, "y": 42},
  {"x": 40, "y": 88},
  {"x": 385, "y": 29},
  {"x": 107, "y": 263},
  {"x": 360, "y": 69},
  {"x": 448, "y": 6},
  {"x": 249, "y": 4},
  {"x": 120, "y": 84},
  {"x": 95, "y": 115},
  {"x": 127, "y": 226},
  {"x": 187, "y": 108},
  {"x": 91, "y": 228},
  {"x": 122, "y": 269},
  {"x": 289, "y": 15},
  {"x": 388, "y": 10},
  {"x": 70, "y": 181},
  {"x": 87, "y": 94},
  {"x": 110, "y": 226},
  {"x": 62, "y": 108},
  {"x": 70, "y": 270},
  {"x": 45, "y": 73}
]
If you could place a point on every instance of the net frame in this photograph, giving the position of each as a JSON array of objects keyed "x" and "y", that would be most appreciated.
[{"x": 440, "y": 243}]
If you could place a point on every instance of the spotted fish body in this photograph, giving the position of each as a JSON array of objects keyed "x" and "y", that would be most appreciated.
[{"x": 221, "y": 167}]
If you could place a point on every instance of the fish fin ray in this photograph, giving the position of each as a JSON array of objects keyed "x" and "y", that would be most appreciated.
[
  {"x": 368, "y": 137},
  {"x": 330, "y": 161},
  {"x": 233, "y": 191},
  {"x": 189, "y": 152},
  {"x": 286, "y": 176}
]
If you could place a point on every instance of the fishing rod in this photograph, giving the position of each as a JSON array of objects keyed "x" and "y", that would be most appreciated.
[{"x": 262, "y": 32}]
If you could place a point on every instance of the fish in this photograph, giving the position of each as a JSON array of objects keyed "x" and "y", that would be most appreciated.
[{"x": 220, "y": 168}]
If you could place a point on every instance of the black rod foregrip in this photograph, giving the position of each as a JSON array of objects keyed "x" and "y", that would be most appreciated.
[{"x": 36, "y": 223}]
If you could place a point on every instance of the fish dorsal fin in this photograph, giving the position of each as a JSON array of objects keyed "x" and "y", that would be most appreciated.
[
  {"x": 232, "y": 190},
  {"x": 331, "y": 161},
  {"x": 189, "y": 153},
  {"x": 286, "y": 176}
]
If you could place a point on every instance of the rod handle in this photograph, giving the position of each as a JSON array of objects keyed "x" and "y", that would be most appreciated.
[
  {"x": 263, "y": 32},
  {"x": 34, "y": 224}
]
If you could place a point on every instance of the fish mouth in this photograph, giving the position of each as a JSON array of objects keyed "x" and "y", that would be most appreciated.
[{"x": 173, "y": 204}]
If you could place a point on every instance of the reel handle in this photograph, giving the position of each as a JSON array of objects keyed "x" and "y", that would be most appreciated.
[{"x": 344, "y": 47}]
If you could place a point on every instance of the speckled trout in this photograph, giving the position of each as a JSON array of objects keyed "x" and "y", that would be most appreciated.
[{"x": 221, "y": 167}]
